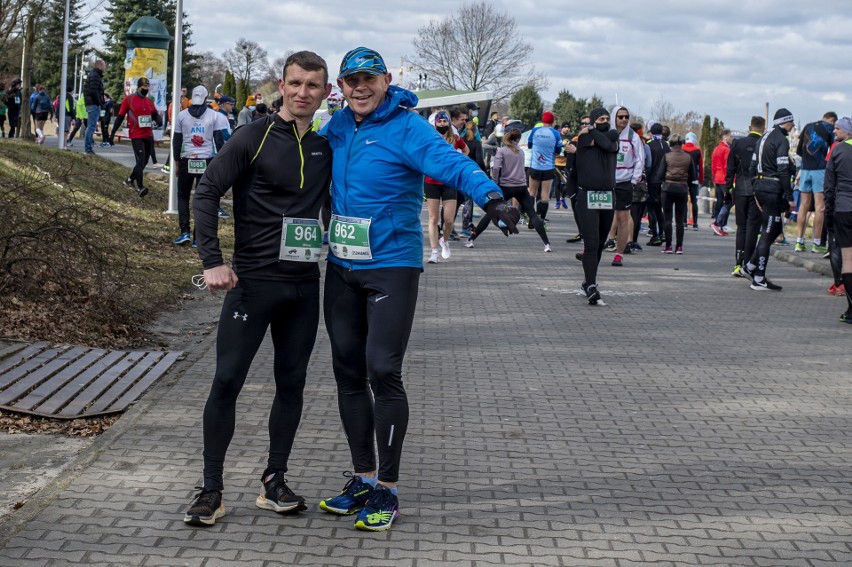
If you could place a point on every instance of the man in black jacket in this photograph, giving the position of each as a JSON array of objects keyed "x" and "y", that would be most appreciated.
[
  {"x": 14, "y": 100},
  {"x": 773, "y": 191},
  {"x": 838, "y": 203},
  {"x": 280, "y": 171},
  {"x": 597, "y": 148},
  {"x": 656, "y": 220},
  {"x": 93, "y": 95},
  {"x": 739, "y": 181}
]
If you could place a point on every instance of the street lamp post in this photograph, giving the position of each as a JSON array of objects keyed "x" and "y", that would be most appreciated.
[
  {"x": 63, "y": 88},
  {"x": 177, "y": 62}
]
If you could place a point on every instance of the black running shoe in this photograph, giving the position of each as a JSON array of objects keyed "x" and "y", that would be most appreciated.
[
  {"x": 746, "y": 273},
  {"x": 579, "y": 256},
  {"x": 592, "y": 294},
  {"x": 275, "y": 495},
  {"x": 206, "y": 509},
  {"x": 573, "y": 239},
  {"x": 654, "y": 242},
  {"x": 846, "y": 317},
  {"x": 765, "y": 285},
  {"x": 143, "y": 191},
  {"x": 130, "y": 183}
]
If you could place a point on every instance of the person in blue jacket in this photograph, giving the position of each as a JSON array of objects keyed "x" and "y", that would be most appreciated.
[{"x": 381, "y": 151}]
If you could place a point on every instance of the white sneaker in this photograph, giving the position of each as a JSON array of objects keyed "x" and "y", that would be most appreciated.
[
  {"x": 445, "y": 248},
  {"x": 468, "y": 244},
  {"x": 547, "y": 248},
  {"x": 433, "y": 259}
]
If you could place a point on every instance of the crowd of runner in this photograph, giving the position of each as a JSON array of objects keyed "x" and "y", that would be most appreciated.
[{"x": 291, "y": 199}]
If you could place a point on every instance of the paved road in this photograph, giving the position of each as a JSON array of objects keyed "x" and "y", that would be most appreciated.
[{"x": 690, "y": 421}]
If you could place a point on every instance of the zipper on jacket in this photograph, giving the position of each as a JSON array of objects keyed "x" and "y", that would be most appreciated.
[{"x": 301, "y": 158}]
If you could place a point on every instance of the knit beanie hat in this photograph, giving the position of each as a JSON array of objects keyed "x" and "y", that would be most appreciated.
[
  {"x": 691, "y": 138},
  {"x": 547, "y": 117},
  {"x": 597, "y": 113},
  {"x": 250, "y": 100},
  {"x": 656, "y": 129},
  {"x": 845, "y": 124},
  {"x": 782, "y": 115}
]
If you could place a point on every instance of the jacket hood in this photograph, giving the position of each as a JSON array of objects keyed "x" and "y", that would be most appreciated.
[
  {"x": 689, "y": 146},
  {"x": 197, "y": 110},
  {"x": 612, "y": 114}
]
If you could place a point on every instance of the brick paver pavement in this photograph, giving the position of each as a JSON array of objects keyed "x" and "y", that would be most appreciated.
[{"x": 690, "y": 421}]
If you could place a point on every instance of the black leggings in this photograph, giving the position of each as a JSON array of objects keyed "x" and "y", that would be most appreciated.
[
  {"x": 14, "y": 124},
  {"x": 656, "y": 219},
  {"x": 594, "y": 226},
  {"x": 637, "y": 211},
  {"x": 78, "y": 123},
  {"x": 748, "y": 226},
  {"x": 185, "y": 182},
  {"x": 291, "y": 310},
  {"x": 835, "y": 258},
  {"x": 674, "y": 207},
  {"x": 368, "y": 315},
  {"x": 770, "y": 227},
  {"x": 143, "y": 148},
  {"x": 525, "y": 201},
  {"x": 2, "y": 125}
]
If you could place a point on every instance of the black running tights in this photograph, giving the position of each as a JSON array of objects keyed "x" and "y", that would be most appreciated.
[
  {"x": 291, "y": 311},
  {"x": 674, "y": 207},
  {"x": 143, "y": 148},
  {"x": 594, "y": 226},
  {"x": 368, "y": 315}
]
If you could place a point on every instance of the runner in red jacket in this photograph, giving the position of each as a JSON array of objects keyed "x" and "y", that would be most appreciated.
[{"x": 719, "y": 165}]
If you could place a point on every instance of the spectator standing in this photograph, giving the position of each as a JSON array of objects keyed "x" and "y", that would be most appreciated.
[
  {"x": 719, "y": 167},
  {"x": 690, "y": 146},
  {"x": 13, "y": 100},
  {"x": 813, "y": 146},
  {"x": 838, "y": 203},
  {"x": 93, "y": 96}
]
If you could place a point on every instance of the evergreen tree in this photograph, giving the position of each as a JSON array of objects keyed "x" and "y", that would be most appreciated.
[
  {"x": 47, "y": 52},
  {"x": 705, "y": 140},
  {"x": 526, "y": 106},
  {"x": 568, "y": 107},
  {"x": 242, "y": 94},
  {"x": 229, "y": 85},
  {"x": 120, "y": 15}
]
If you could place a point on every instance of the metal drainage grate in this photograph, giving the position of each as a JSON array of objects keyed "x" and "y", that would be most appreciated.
[{"x": 69, "y": 382}]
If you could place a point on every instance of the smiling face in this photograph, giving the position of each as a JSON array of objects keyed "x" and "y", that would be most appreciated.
[
  {"x": 364, "y": 92},
  {"x": 302, "y": 92}
]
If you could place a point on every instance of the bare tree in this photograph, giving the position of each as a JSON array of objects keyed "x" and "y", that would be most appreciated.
[
  {"x": 478, "y": 48},
  {"x": 246, "y": 60},
  {"x": 211, "y": 69},
  {"x": 276, "y": 68},
  {"x": 11, "y": 12},
  {"x": 664, "y": 112}
]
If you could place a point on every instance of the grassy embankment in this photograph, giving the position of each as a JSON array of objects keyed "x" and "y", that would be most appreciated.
[{"x": 83, "y": 259}]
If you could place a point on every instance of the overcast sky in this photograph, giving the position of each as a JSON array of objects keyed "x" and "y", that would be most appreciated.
[{"x": 720, "y": 57}]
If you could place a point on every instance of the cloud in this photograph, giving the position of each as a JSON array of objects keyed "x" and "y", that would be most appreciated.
[{"x": 725, "y": 58}]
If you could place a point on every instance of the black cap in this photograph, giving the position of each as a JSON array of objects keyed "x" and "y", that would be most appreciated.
[{"x": 471, "y": 106}]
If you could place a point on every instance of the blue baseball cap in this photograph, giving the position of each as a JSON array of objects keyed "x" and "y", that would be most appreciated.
[
  {"x": 362, "y": 60},
  {"x": 226, "y": 99}
]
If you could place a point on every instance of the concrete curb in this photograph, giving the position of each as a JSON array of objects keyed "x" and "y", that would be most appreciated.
[{"x": 818, "y": 267}]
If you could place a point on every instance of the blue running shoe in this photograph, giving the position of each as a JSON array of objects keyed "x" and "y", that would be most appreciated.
[
  {"x": 351, "y": 499},
  {"x": 223, "y": 214},
  {"x": 194, "y": 244},
  {"x": 182, "y": 239},
  {"x": 380, "y": 512}
]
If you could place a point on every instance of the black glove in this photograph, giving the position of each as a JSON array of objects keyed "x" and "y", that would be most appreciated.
[{"x": 500, "y": 210}]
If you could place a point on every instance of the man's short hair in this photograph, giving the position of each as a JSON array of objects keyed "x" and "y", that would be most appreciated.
[
  {"x": 829, "y": 115},
  {"x": 457, "y": 113},
  {"x": 757, "y": 123},
  {"x": 307, "y": 60},
  {"x": 724, "y": 133}
]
